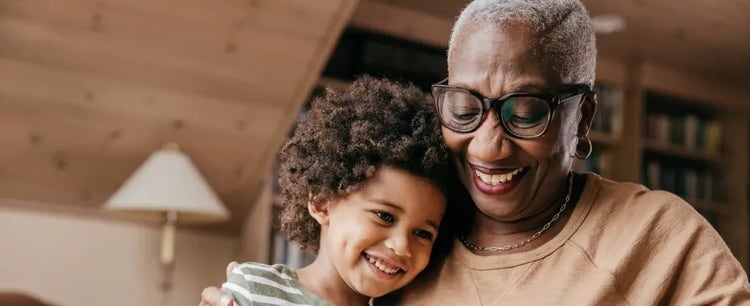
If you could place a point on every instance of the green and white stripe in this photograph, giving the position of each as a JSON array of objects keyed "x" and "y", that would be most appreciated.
[{"x": 259, "y": 284}]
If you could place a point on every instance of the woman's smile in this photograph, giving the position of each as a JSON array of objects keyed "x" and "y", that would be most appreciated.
[{"x": 497, "y": 181}]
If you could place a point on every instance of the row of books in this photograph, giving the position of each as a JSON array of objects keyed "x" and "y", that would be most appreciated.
[
  {"x": 362, "y": 52},
  {"x": 687, "y": 131},
  {"x": 688, "y": 182},
  {"x": 608, "y": 116}
]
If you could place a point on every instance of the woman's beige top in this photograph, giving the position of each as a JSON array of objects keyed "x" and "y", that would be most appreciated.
[{"x": 623, "y": 245}]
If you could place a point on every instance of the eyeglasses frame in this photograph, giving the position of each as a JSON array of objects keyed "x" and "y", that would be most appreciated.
[{"x": 487, "y": 103}]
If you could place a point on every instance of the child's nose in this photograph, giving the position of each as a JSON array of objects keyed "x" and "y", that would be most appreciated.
[{"x": 399, "y": 244}]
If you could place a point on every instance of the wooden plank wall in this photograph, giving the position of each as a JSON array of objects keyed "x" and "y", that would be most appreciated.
[{"x": 89, "y": 88}]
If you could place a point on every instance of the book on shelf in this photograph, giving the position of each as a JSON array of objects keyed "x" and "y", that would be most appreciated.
[
  {"x": 363, "y": 52},
  {"x": 690, "y": 132},
  {"x": 658, "y": 127},
  {"x": 686, "y": 131},
  {"x": 668, "y": 178},
  {"x": 679, "y": 123},
  {"x": 653, "y": 175},
  {"x": 677, "y": 130},
  {"x": 700, "y": 135},
  {"x": 713, "y": 137},
  {"x": 689, "y": 182},
  {"x": 608, "y": 116}
]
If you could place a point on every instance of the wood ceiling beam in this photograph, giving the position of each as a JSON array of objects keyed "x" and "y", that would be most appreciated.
[
  {"x": 388, "y": 19},
  {"x": 253, "y": 229}
]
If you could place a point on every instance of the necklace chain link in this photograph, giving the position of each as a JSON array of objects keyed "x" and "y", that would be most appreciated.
[{"x": 526, "y": 241}]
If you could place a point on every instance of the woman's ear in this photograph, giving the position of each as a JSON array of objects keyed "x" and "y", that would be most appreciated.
[
  {"x": 319, "y": 211},
  {"x": 588, "y": 109}
]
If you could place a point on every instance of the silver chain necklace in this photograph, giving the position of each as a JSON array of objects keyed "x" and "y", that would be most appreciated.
[{"x": 526, "y": 241}]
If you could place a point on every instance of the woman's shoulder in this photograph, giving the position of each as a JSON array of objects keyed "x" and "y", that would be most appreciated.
[
  {"x": 619, "y": 210},
  {"x": 625, "y": 216},
  {"x": 655, "y": 238},
  {"x": 629, "y": 198}
]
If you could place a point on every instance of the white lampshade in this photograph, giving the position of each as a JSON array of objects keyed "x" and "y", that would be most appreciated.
[{"x": 168, "y": 182}]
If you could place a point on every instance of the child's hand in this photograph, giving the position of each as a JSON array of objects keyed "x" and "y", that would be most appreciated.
[{"x": 213, "y": 296}]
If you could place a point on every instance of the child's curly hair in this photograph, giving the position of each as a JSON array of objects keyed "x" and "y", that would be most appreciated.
[{"x": 348, "y": 135}]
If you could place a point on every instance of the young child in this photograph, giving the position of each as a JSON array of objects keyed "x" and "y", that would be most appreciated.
[{"x": 363, "y": 185}]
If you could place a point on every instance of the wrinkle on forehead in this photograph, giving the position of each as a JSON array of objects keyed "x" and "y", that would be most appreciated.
[{"x": 511, "y": 60}]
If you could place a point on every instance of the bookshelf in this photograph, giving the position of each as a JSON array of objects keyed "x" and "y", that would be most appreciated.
[
  {"x": 683, "y": 151},
  {"x": 603, "y": 139},
  {"x": 631, "y": 140},
  {"x": 606, "y": 130},
  {"x": 675, "y": 136},
  {"x": 680, "y": 152}
]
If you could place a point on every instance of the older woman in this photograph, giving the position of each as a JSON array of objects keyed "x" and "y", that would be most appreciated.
[{"x": 516, "y": 110}]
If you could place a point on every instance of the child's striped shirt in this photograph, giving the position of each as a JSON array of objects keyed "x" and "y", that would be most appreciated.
[{"x": 259, "y": 284}]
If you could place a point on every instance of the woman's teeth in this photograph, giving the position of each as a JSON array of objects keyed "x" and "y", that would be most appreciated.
[
  {"x": 382, "y": 266},
  {"x": 494, "y": 179}
]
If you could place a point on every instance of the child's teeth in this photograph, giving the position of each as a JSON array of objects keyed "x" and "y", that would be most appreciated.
[{"x": 382, "y": 266}]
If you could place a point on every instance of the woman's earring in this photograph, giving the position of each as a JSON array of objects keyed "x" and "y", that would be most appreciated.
[{"x": 584, "y": 145}]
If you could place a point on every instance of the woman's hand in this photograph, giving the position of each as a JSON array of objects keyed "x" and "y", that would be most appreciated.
[{"x": 213, "y": 296}]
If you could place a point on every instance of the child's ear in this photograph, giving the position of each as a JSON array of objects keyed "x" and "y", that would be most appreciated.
[{"x": 319, "y": 211}]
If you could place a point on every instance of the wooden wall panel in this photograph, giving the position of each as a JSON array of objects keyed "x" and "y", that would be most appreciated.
[{"x": 88, "y": 89}]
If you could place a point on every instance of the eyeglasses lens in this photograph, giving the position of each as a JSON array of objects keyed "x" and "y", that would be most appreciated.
[{"x": 463, "y": 112}]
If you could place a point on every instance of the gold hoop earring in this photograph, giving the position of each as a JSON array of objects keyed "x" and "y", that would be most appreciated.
[{"x": 588, "y": 150}]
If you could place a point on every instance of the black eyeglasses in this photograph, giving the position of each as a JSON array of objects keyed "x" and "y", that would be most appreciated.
[{"x": 523, "y": 115}]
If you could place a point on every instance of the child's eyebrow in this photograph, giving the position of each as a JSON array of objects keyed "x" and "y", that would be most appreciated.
[
  {"x": 399, "y": 208},
  {"x": 387, "y": 203}
]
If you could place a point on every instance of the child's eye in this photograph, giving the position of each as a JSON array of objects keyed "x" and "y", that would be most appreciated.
[
  {"x": 386, "y": 217},
  {"x": 424, "y": 234}
]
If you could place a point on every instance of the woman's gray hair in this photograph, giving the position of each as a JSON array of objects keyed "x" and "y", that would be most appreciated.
[{"x": 566, "y": 36}]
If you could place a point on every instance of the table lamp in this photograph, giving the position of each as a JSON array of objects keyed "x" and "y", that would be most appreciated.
[{"x": 168, "y": 187}]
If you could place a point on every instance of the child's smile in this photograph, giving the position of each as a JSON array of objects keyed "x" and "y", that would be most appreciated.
[
  {"x": 379, "y": 237},
  {"x": 384, "y": 265}
]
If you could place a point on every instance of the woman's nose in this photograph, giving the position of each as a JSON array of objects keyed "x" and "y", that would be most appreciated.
[{"x": 490, "y": 141}]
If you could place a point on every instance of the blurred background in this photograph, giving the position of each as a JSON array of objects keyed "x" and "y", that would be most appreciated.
[{"x": 90, "y": 89}]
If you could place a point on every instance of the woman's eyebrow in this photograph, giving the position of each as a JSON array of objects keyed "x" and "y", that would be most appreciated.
[
  {"x": 433, "y": 225},
  {"x": 530, "y": 88},
  {"x": 523, "y": 88}
]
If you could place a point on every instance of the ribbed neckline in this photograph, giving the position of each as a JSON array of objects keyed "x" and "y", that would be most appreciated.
[{"x": 500, "y": 261}]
